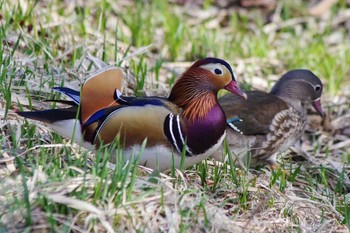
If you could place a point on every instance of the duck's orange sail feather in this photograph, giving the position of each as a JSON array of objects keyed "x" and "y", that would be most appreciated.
[{"x": 98, "y": 91}]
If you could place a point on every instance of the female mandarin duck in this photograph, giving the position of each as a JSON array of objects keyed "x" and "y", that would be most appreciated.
[
  {"x": 269, "y": 123},
  {"x": 190, "y": 119}
]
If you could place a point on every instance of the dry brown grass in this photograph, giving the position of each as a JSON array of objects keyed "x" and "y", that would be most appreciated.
[{"x": 64, "y": 200}]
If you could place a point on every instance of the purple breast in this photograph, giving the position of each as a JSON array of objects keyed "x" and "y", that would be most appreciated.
[{"x": 204, "y": 133}]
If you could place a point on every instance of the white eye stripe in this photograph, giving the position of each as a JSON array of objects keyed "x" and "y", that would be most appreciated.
[{"x": 212, "y": 67}]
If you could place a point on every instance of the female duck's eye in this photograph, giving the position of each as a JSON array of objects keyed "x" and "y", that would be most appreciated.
[
  {"x": 317, "y": 88},
  {"x": 218, "y": 71}
]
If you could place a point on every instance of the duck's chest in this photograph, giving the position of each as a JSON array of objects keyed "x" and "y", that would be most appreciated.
[
  {"x": 286, "y": 129},
  {"x": 204, "y": 133}
]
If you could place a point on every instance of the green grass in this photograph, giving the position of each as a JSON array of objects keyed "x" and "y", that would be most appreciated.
[{"x": 57, "y": 186}]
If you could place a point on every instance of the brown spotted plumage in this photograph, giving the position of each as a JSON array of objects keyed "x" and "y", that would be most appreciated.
[{"x": 267, "y": 124}]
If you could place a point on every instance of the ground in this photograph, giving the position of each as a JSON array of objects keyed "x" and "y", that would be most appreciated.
[{"x": 49, "y": 184}]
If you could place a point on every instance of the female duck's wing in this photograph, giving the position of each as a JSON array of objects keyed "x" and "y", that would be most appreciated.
[{"x": 254, "y": 115}]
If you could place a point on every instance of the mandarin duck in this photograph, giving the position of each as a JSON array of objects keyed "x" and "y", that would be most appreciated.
[
  {"x": 189, "y": 122},
  {"x": 267, "y": 124}
]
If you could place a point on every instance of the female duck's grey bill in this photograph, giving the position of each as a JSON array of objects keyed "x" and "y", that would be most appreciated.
[{"x": 318, "y": 107}]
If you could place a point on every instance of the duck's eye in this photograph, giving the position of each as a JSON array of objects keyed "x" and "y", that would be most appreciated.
[
  {"x": 218, "y": 71},
  {"x": 317, "y": 88}
]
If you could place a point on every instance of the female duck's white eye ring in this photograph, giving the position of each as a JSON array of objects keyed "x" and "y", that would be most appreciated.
[
  {"x": 217, "y": 71},
  {"x": 317, "y": 88}
]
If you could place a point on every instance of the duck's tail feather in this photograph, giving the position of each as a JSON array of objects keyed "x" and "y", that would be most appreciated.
[
  {"x": 73, "y": 94},
  {"x": 51, "y": 115},
  {"x": 67, "y": 102},
  {"x": 63, "y": 121}
]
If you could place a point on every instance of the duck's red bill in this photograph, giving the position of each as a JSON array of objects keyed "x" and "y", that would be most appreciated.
[{"x": 233, "y": 88}]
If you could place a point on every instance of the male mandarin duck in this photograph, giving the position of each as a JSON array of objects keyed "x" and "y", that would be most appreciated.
[
  {"x": 267, "y": 124},
  {"x": 189, "y": 120}
]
